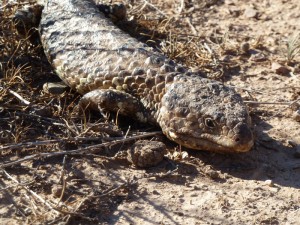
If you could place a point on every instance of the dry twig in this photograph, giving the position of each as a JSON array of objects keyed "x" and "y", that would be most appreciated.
[
  {"x": 45, "y": 202},
  {"x": 146, "y": 3},
  {"x": 24, "y": 101},
  {"x": 269, "y": 103},
  {"x": 76, "y": 151}
]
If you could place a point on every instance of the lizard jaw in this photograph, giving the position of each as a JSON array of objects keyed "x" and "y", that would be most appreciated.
[{"x": 240, "y": 142}]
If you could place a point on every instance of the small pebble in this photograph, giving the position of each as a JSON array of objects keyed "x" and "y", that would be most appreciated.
[
  {"x": 179, "y": 213},
  {"x": 292, "y": 143},
  {"x": 269, "y": 183},
  {"x": 197, "y": 187},
  {"x": 155, "y": 192},
  {"x": 213, "y": 174},
  {"x": 184, "y": 155},
  {"x": 227, "y": 58},
  {"x": 245, "y": 47},
  {"x": 250, "y": 13},
  {"x": 204, "y": 187},
  {"x": 55, "y": 88},
  {"x": 258, "y": 57},
  {"x": 280, "y": 69},
  {"x": 56, "y": 191},
  {"x": 296, "y": 115},
  {"x": 146, "y": 153}
]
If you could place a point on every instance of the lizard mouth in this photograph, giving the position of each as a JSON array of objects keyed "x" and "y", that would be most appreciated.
[
  {"x": 225, "y": 145},
  {"x": 241, "y": 141}
]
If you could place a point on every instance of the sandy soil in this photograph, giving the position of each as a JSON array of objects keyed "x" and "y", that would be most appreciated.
[{"x": 247, "y": 41}]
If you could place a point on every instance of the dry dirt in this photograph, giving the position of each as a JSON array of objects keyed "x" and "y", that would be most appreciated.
[{"x": 239, "y": 42}]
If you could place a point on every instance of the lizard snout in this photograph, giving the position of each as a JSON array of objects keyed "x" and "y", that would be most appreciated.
[{"x": 243, "y": 137}]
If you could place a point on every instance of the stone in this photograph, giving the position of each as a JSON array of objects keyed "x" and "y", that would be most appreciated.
[
  {"x": 280, "y": 69},
  {"x": 296, "y": 115},
  {"x": 270, "y": 183},
  {"x": 245, "y": 46},
  {"x": 250, "y": 12},
  {"x": 146, "y": 153},
  {"x": 258, "y": 57},
  {"x": 56, "y": 88}
]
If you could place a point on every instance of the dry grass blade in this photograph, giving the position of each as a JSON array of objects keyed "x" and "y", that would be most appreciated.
[
  {"x": 42, "y": 200},
  {"x": 293, "y": 47},
  {"x": 147, "y": 3},
  {"x": 24, "y": 101},
  {"x": 268, "y": 103}
]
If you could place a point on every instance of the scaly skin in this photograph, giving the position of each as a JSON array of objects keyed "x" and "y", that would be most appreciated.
[{"x": 117, "y": 73}]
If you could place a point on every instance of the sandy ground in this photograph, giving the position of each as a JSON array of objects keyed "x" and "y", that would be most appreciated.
[{"x": 249, "y": 40}]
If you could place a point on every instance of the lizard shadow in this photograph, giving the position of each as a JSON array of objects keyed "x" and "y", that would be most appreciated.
[{"x": 269, "y": 159}]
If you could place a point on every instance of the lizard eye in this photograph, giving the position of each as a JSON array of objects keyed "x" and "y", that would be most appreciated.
[{"x": 209, "y": 123}]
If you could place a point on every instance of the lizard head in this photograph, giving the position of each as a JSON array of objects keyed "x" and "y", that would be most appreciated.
[{"x": 205, "y": 115}]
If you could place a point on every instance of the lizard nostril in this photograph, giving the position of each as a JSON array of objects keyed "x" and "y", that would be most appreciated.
[{"x": 243, "y": 134}]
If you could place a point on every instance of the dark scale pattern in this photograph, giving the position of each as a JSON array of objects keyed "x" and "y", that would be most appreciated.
[{"x": 116, "y": 72}]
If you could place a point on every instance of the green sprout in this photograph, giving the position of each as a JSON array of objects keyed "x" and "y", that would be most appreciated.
[{"x": 293, "y": 47}]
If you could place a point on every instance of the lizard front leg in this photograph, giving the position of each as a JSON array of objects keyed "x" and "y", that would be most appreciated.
[{"x": 109, "y": 100}]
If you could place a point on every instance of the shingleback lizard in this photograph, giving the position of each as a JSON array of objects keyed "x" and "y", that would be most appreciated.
[{"x": 115, "y": 72}]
